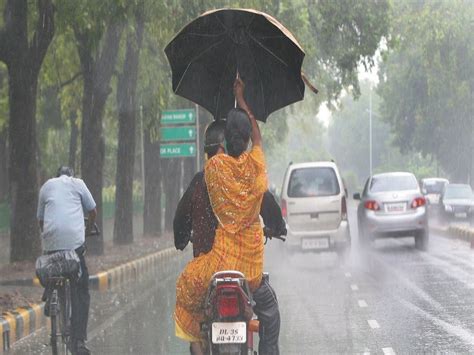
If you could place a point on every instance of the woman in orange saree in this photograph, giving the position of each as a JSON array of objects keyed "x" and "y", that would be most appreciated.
[{"x": 236, "y": 183}]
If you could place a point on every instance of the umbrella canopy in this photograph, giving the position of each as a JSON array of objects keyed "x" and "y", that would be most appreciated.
[{"x": 206, "y": 55}]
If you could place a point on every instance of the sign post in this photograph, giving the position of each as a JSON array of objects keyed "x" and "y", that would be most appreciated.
[
  {"x": 178, "y": 150},
  {"x": 178, "y": 134}
]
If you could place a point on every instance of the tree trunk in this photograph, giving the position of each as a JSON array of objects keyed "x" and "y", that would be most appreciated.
[
  {"x": 24, "y": 61},
  {"x": 73, "y": 140},
  {"x": 127, "y": 109},
  {"x": 4, "y": 181},
  {"x": 152, "y": 195},
  {"x": 97, "y": 74}
]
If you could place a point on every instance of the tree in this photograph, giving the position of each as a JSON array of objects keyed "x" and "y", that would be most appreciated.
[
  {"x": 23, "y": 59},
  {"x": 4, "y": 181},
  {"x": 427, "y": 82},
  {"x": 97, "y": 65},
  {"x": 127, "y": 111}
]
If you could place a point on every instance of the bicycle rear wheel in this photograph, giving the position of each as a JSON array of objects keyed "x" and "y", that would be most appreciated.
[
  {"x": 65, "y": 306},
  {"x": 54, "y": 316}
]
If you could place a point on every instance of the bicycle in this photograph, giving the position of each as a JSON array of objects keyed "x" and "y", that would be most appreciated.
[
  {"x": 63, "y": 267},
  {"x": 60, "y": 311}
]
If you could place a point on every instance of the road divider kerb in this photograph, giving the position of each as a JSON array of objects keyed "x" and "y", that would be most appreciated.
[
  {"x": 23, "y": 321},
  {"x": 460, "y": 232}
]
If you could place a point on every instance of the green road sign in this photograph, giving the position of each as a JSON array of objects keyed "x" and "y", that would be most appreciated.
[
  {"x": 178, "y": 116},
  {"x": 182, "y": 133},
  {"x": 178, "y": 150}
]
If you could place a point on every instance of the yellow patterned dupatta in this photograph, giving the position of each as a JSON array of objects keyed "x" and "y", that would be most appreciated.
[{"x": 236, "y": 187}]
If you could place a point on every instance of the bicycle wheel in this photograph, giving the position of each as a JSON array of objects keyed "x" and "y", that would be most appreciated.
[
  {"x": 53, "y": 309},
  {"x": 65, "y": 303}
]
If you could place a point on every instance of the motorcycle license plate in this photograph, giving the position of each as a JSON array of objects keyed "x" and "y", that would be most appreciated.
[
  {"x": 314, "y": 243},
  {"x": 229, "y": 333}
]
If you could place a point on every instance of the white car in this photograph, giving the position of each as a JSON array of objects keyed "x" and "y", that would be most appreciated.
[{"x": 313, "y": 203}]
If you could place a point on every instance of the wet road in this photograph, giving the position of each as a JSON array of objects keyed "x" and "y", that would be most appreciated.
[{"x": 391, "y": 299}]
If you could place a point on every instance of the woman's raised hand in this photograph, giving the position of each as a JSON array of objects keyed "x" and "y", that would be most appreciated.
[{"x": 239, "y": 88}]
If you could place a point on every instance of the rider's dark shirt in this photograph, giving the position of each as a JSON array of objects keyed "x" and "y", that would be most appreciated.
[{"x": 194, "y": 219}]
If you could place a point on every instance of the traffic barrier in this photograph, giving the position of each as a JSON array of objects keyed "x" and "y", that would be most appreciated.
[
  {"x": 464, "y": 233},
  {"x": 23, "y": 321}
]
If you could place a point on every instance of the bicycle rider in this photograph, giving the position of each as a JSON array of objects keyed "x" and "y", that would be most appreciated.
[{"x": 62, "y": 205}]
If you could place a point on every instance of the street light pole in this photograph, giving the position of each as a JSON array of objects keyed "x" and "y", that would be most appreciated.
[{"x": 370, "y": 130}]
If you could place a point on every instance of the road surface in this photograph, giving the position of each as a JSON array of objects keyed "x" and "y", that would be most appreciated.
[{"x": 391, "y": 299}]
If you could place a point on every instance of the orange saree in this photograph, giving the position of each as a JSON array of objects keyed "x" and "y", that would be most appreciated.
[{"x": 236, "y": 188}]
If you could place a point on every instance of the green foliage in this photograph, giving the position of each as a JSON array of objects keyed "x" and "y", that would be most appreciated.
[
  {"x": 427, "y": 82},
  {"x": 349, "y": 142}
]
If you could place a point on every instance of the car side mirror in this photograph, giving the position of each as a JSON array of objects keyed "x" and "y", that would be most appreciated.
[{"x": 356, "y": 196}]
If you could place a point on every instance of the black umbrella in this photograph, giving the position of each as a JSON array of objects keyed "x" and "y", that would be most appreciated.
[{"x": 206, "y": 55}]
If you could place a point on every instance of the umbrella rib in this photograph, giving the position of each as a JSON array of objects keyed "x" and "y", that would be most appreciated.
[
  {"x": 203, "y": 34},
  {"x": 268, "y": 50},
  {"x": 261, "y": 85},
  {"x": 194, "y": 59},
  {"x": 220, "y": 85}
]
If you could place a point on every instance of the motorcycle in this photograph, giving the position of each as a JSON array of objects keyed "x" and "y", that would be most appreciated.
[{"x": 230, "y": 323}]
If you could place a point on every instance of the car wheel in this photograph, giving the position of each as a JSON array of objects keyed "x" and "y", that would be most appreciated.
[{"x": 421, "y": 240}]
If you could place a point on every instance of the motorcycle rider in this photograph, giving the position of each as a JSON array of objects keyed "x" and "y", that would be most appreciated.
[{"x": 195, "y": 220}]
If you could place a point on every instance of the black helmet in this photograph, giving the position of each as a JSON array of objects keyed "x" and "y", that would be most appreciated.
[{"x": 65, "y": 170}]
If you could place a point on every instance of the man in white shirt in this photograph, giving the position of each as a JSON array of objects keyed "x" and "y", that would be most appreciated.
[{"x": 63, "y": 203}]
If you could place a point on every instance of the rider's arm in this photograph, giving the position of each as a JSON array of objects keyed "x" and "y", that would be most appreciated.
[
  {"x": 91, "y": 219},
  {"x": 183, "y": 222},
  {"x": 40, "y": 209},
  {"x": 239, "y": 87},
  {"x": 271, "y": 214}
]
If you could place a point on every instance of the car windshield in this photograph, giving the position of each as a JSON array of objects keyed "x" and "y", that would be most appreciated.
[
  {"x": 453, "y": 192},
  {"x": 434, "y": 186},
  {"x": 312, "y": 182},
  {"x": 393, "y": 183}
]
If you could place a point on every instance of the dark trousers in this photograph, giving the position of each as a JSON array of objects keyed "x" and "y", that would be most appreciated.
[
  {"x": 80, "y": 300},
  {"x": 268, "y": 313}
]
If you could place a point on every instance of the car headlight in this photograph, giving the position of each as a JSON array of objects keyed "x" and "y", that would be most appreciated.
[{"x": 448, "y": 208}]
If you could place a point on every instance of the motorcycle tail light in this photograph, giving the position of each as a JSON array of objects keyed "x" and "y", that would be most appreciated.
[
  {"x": 228, "y": 304},
  {"x": 284, "y": 210},
  {"x": 372, "y": 205},
  {"x": 418, "y": 202}
]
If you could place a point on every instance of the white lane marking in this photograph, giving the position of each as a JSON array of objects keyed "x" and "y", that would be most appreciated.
[
  {"x": 354, "y": 287},
  {"x": 456, "y": 330},
  {"x": 362, "y": 304},
  {"x": 388, "y": 351},
  {"x": 373, "y": 324},
  {"x": 347, "y": 274}
]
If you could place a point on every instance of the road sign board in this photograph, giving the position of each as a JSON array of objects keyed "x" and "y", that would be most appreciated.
[
  {"x": 178, "y": 116},
  {"x": 180, "y": 133},
  {"x": 178, "y": 150}
]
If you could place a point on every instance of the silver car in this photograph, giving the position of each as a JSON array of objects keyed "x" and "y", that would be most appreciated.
[{"x": 392, "y": 205}]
